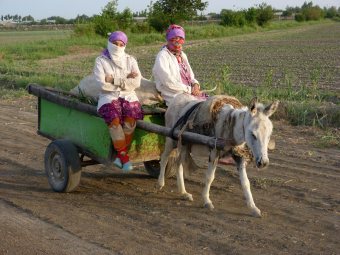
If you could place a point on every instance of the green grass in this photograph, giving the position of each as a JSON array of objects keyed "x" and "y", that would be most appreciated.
[
  {"x": 305, "y": 105},
  {"x": 274, "y": 62}
]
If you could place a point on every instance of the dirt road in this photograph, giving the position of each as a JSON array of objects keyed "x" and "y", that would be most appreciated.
[{"x": 115, "y": 213}]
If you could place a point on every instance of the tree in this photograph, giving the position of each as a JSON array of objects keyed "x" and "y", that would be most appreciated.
[
  {"x": 250, "y": 15},
  {"x": 82, "y": 19},
  {"x": 230, "y": 18},
  {"x": 264, "y": 14},
  {"x": 124, "y": 19},
  {"x": 110, "y": 9},
  {"x": 165, "y": 12},
  {"x": 28, "y": 18},
  {"x": 330, "y": 12},
  {"x": 106, "y": 22}
]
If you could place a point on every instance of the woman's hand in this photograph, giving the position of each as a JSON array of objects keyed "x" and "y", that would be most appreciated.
[
  {"x": 132, "y": 75},
  {"x": 195, "y": 90},
  {"x": 109, "y": 78}
]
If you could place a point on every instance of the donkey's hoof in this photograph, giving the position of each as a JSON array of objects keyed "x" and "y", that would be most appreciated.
[
  {"x": 209, "y": 206},
  {"x": 256, "y": 212},
  {"x": 160, "y": 185},
  {"x": 188, "y": 197}
]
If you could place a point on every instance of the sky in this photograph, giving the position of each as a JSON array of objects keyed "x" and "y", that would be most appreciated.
[{"x": 69, "y": 9}]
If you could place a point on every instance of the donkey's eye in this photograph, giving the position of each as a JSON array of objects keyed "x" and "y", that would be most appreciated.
[{"x": 253, "y": 136}]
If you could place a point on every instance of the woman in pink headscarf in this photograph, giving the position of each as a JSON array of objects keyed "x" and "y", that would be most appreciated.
[
  {"x": 172, "y": 72},
  {"x": 119, "y": 76}
]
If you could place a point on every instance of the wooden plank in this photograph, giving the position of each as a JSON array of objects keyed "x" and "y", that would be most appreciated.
[
  {"x": 191, "y": 137},
  {"x": 56, "y": 97}
]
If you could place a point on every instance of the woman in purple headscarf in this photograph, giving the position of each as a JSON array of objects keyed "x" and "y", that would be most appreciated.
[
  {"x": 172, "y": 72},
  {"x": 119, "y": 76}
]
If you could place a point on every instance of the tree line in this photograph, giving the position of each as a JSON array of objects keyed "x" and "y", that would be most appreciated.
[{"x": 161, "y": 13}]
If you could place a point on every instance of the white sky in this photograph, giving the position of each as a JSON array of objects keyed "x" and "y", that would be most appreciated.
[{"x": 68, "y": 9}]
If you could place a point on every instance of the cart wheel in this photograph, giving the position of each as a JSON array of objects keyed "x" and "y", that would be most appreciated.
[
  {"x": 153, "y": 168},
  {"x": 62, "y": 166}
]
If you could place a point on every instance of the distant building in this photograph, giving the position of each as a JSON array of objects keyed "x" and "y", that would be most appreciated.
[
  {"x": 139, "y": 19},
  {"x": 8, "y": 23},
  {"x": 50, "y": 21}
]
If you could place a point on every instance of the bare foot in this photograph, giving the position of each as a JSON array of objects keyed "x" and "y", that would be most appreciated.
[{"x": 227, "y": 161}]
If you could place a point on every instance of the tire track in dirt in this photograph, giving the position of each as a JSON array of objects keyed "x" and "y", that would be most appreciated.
[
  {"x": 21, "y": 223},
  {"x": 127, "y": 214}
]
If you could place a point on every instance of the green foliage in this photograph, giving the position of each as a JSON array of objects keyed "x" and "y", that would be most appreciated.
[
  {"x": 301, "y": 106},
  {"x": 159, "y": 22},
  {"x": 124, "y": 19},
  {"x": 140, "y": 27},
  {"x": 313, "y": 13},
  {"x": 230, "y": 18},
  {"x": 261, "y": 16},
  {"x": 103, "y": 25},
  {"x": 111, "y": 20},
  {"x": 299, "y": 17},
  {"x": 250, "y": 15},
  {"x": 308, "y": 12},
  {"x": 265, "y": 14},
  {"x": 304, "y": 100},
  {"x": 110, "y": 9},
  {"x": 162, "y": 13},
  {"x": 331, "y": 12},
  {"x": 87, "y": 29}
]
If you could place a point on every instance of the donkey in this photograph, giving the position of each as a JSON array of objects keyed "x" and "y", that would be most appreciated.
[{"x": 246, "y": 130}]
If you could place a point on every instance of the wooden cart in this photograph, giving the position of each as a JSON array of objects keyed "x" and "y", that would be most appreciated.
[{"x": 81, "y": 138}]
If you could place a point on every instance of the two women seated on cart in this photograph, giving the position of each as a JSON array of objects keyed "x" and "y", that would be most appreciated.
[{"x": 118, "y": 75}]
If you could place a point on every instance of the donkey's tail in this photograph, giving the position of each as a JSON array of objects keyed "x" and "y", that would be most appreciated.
[{"x": 172, "y": 165}]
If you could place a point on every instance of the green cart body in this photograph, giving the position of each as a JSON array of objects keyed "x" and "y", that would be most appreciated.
[
  {"x": 91, "y": 135},
  {"x": 81, "y": 138}
]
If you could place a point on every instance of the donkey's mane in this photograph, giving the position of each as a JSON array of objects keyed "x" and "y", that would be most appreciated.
[
  {"x": 218, "y": 102},
  {"x": 205, "y": 119}
]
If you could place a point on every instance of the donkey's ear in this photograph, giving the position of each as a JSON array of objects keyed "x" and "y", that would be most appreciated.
[
  {"x": 253, "y": 106},
  {"x": 270, "y": 109}
]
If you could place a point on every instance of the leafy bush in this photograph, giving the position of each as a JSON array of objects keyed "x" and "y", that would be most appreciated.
[
  {"x": 299, "y": 17},
  {"x": 313, "y": 13},
  {"x": 142, "y": 27},
  {"x": 158, "y": 22},
  {"x": 230, "y": 18},
  {"x": 103, "y": 25},
  {"x": 330, "y": 12},
  {"x": 250, "y": 15},
  {"x": 124, "y": 19},
  {"x": 265, "y": 13},
  {"x": 84, "y": 29},
  {"x": 165, "y": 12}
]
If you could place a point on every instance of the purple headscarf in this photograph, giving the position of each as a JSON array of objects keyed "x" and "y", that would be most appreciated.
[
  {"x": 118, "y": 36},
  {"x": 115, "y": 36},
  {"x": 173, "y": 31}
]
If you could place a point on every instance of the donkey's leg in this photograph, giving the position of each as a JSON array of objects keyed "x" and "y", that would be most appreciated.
[
  {"x": 209, "y": 178},
  {"x": 241, "y": 166},
  {"x": 180, "y": 173},
  {"x": 164, "y": 160}
]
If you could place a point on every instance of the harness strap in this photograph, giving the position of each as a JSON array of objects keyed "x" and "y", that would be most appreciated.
[{"x": 183, "y": 119}]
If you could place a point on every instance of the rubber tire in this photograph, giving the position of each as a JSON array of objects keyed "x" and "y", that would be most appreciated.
[
  {"x": 62, "y": 166},
  {"x": 153, "y": 168}
]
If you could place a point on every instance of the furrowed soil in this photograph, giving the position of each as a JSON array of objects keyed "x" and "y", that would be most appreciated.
[{"x": 115, "y": 213}]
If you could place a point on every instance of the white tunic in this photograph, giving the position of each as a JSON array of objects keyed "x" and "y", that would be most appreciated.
[
  {"x": 122, "y": 87},
  {"x": 166, "y": 73}
]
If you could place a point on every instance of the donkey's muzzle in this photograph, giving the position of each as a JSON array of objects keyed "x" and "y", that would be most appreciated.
[{"x": 261, "y": 163}]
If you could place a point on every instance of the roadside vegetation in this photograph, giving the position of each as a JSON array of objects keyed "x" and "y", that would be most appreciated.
[{"x": 294, "y": 62}]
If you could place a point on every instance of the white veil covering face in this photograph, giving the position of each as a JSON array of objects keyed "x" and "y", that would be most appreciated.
[{"x": 116, "y": 53}]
